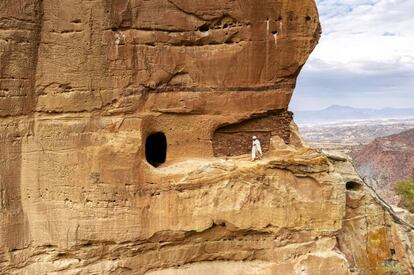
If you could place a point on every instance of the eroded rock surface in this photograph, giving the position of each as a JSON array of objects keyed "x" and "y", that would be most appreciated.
[
  {"x": 374, "y": 238},
  {"x": 82, "y": 86}
]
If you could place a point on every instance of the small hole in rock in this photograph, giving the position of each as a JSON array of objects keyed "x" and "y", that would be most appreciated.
[
  {"x": 203, "y": 28},
  {"x": 156, "y": 149},
  {"x": 351, "y": 185},
  {"x": 308, "y": 18}
]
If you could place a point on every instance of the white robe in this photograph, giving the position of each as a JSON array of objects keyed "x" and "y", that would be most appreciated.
[{"x": 256, "y": 149}]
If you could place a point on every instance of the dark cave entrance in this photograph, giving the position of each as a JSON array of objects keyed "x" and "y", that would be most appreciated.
[
  {"x": 156, "y": 149},
  {"x": 351, "y": 185}
]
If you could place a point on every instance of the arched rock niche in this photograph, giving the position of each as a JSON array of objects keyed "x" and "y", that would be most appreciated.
[
  {"x": 236, "y": 139},
  {"x": 156, "y": 149}
]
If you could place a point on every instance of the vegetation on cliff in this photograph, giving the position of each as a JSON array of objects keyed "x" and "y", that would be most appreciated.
[{"x": 405, "y": 188}]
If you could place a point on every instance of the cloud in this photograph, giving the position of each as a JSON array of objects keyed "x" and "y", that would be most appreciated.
[
  {"x": 366, "y": 50},
  {"x": 319, "y": 89}
]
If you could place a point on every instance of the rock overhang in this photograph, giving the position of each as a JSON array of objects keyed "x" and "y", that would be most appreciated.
[{"x": 105, "y": 75}]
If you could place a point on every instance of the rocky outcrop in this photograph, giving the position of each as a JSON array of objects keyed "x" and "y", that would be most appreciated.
[
  {"x": 110, "y": 115},
  {"x": 294, "y": 212},
  {"x": 385, "y": 161},
  {"x": 374, "y": 238}
]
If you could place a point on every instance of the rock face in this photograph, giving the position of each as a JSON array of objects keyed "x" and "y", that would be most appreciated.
[
  {"x": 373, "y": 237},
  {"x": 115, "y": 118},
  {"x": 385, "y": 161}
]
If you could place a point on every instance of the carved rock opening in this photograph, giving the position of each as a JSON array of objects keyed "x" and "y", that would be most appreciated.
[
  {"x": 354, "y": 186},
  {"x": 156, "y": 149},
  {"x": 236, "y": 139}
]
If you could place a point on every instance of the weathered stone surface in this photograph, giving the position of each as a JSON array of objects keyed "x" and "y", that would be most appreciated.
[
  {"x": 82, "y": 86},
  {"x": 370, "y": 237},
  {"x": 174, "y": 64}
]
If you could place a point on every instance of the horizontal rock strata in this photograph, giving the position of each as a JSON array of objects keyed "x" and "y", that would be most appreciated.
[{"x": 84, "y": 84}]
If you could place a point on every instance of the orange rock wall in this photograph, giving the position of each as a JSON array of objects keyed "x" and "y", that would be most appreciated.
[{"x": 83, "y": 83}]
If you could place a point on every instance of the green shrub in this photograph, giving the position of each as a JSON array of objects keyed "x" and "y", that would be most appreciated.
[
  {"x": 393, "y": 267},
  {"x": 405, "y": 188}
]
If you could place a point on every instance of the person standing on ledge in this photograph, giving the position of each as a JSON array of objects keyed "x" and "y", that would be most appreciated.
[{"x": 256, "y": 149}]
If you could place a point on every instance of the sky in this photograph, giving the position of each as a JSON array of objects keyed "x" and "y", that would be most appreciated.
[{"x": 365, "y": 57}]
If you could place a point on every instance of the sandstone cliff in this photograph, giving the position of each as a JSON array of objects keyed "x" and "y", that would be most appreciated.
[{"x": 123, "y": 131}]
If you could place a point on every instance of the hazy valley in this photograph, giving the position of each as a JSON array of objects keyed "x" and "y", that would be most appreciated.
[
  {"x": 382, "y": 149},
  {"x": 349, "y": 136}
]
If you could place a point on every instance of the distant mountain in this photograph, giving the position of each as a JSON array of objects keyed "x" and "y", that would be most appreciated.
[
  {"x": 337, "y": 113},
  {"x": 385, "y": 161}
]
